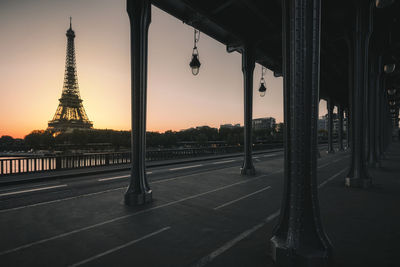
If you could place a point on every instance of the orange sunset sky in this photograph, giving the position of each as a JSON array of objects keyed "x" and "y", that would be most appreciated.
[{"x": 33, "y": 45}]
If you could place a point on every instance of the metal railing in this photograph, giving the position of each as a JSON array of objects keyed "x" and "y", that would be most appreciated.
[{"x": 35, "y": 164}]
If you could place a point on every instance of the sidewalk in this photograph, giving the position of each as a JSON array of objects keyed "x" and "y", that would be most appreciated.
[{"x": 362, "y": 224}]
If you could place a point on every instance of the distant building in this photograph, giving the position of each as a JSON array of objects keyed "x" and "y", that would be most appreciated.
[
  {"x": 229, "y": 126},
  {"x": 323, "y": 123},
  {"x": 264, "y": 123}
]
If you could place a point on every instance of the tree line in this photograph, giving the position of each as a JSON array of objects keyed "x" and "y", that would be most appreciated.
[{"x": 115, "y": 140}]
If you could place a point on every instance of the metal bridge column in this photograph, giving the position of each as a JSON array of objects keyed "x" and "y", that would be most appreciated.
[
  {"x": 373, "y": 99},
  {"x": 330, "y": 107},
  {"x": 382, "y": 119},
  {"x": 299, "y": 239},
  {"x": 248, "y": 64},
  {"x": 347, "y": 128},
  {"x": 340, "y": 128},
  {"x": 139, "y": 12},
  {"x": 358, "y": 175}
]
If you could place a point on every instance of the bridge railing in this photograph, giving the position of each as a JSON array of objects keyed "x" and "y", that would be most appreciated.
[{"x": 64, "y": 162}]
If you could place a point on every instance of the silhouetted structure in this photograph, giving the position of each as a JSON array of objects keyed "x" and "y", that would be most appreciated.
[
  {"x": 70, "y": 113},
  {"x": 329, "y": 52}
]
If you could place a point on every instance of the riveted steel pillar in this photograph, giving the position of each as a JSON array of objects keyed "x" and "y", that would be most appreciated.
[
  {"x": 382, "y": 119},
  {"x": 299, "y": 239},
  {"x": 340, "y": 127},
  {"x": 330, "y": 106},
  {"x": 347, "y": 128},
  {"x": 358, "y": 175},
  {"x": 139, "y": 12},
  {"x": 373, "y": 97},
  {"x": 318, "y": 153},
  {"x": 248, "y": 64}
]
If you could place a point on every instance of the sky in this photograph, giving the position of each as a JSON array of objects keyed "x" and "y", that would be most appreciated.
[{"x": 33, "y": 47}]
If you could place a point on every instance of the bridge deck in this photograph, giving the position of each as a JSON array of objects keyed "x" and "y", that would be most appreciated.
[{"x": 203, "y": 214}]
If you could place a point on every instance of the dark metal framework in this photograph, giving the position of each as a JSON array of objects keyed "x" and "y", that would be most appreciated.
[
  {"x": 323, "y": 52},
  {"x": 70, "y": 113}
]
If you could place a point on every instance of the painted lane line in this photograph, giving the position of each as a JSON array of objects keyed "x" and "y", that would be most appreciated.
[
  {"x": 210, "y": 257},
  {"x": 113, "y": 178},
  {"x": 129, "y": 215},
  {"x": 224, "y": 161},
  {"x": 117, "y": 177},
  {"x": 256, "y": 157},
  {"x": 331, "y": 178},
  {"x": 60, "y": 200},
  {"x": 186, "y": 167},
  {"x": 120, "y": 247},
  {"x": 111, "y": 190},
  {"x": 269, "y": 155},
  {"x": 28, "y": 186},
  {"x": 243, "y": 197},
  {"x": 32, "y": 190},
  {"x": 324, "y": 165},
  {"x": 106, "y": 191},
  {"x": 158, "y": 181},
  {"x": 120, "y": 188}
]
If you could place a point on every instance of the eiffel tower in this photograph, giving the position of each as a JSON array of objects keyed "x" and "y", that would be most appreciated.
[{"x": 70, "y": 113}]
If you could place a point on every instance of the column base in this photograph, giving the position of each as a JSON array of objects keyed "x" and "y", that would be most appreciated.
[
  {"x": 358, "y": 182},
  {"x": 247, "y": 171},
  {"x": 136, "y": 199},
  {"x": 283, "y": 256}
]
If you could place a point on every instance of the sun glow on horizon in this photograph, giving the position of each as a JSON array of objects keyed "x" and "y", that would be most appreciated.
[{"x": 33, "y": 76}]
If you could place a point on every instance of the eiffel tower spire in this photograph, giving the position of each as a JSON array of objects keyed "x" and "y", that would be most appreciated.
[{"x": 70, "y": 113}]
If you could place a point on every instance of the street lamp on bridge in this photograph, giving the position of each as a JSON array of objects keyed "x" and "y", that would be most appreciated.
[
  {"x": 262, "y": 90},
  {"x": 391, "y": 91},
  {"x": 195, "y": 62},
  {"x": 389, "y": 68}
]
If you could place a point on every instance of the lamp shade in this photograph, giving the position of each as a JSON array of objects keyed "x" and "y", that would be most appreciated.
[
  {"x": 195, "y": 64},
  {"x": 262, "y": 90}
]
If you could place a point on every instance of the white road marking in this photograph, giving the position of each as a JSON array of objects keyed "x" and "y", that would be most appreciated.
[
  {"x": 158, "y": 181},
  {"x": 60, "y": 200},
  {"x": 28, "y": 186},
  {"x": 243, "y": 197},
  {"x": 324, "y": 165},
  {"x": 224, "y": 161},
  {"x": 210, "y": 257},
  {"x": 256, "y": 157},
  {"x": 331, "y": 178},
  {"x": 106, "y": 191},
  {"x": 113, "y": 178},
  {"x": 186, "y": 167},
  {"x": 129, "y": 215},
  {"x": 120, "y": 247},
  {"x": 117, "y": 177},
  {"x": 207, "y": 259},
  {"x": 269, "y": 155},
  {"x": 32, "y": 190}
]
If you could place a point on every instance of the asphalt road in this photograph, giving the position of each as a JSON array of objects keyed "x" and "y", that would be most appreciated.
[{"x": 201, "y": 211}]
